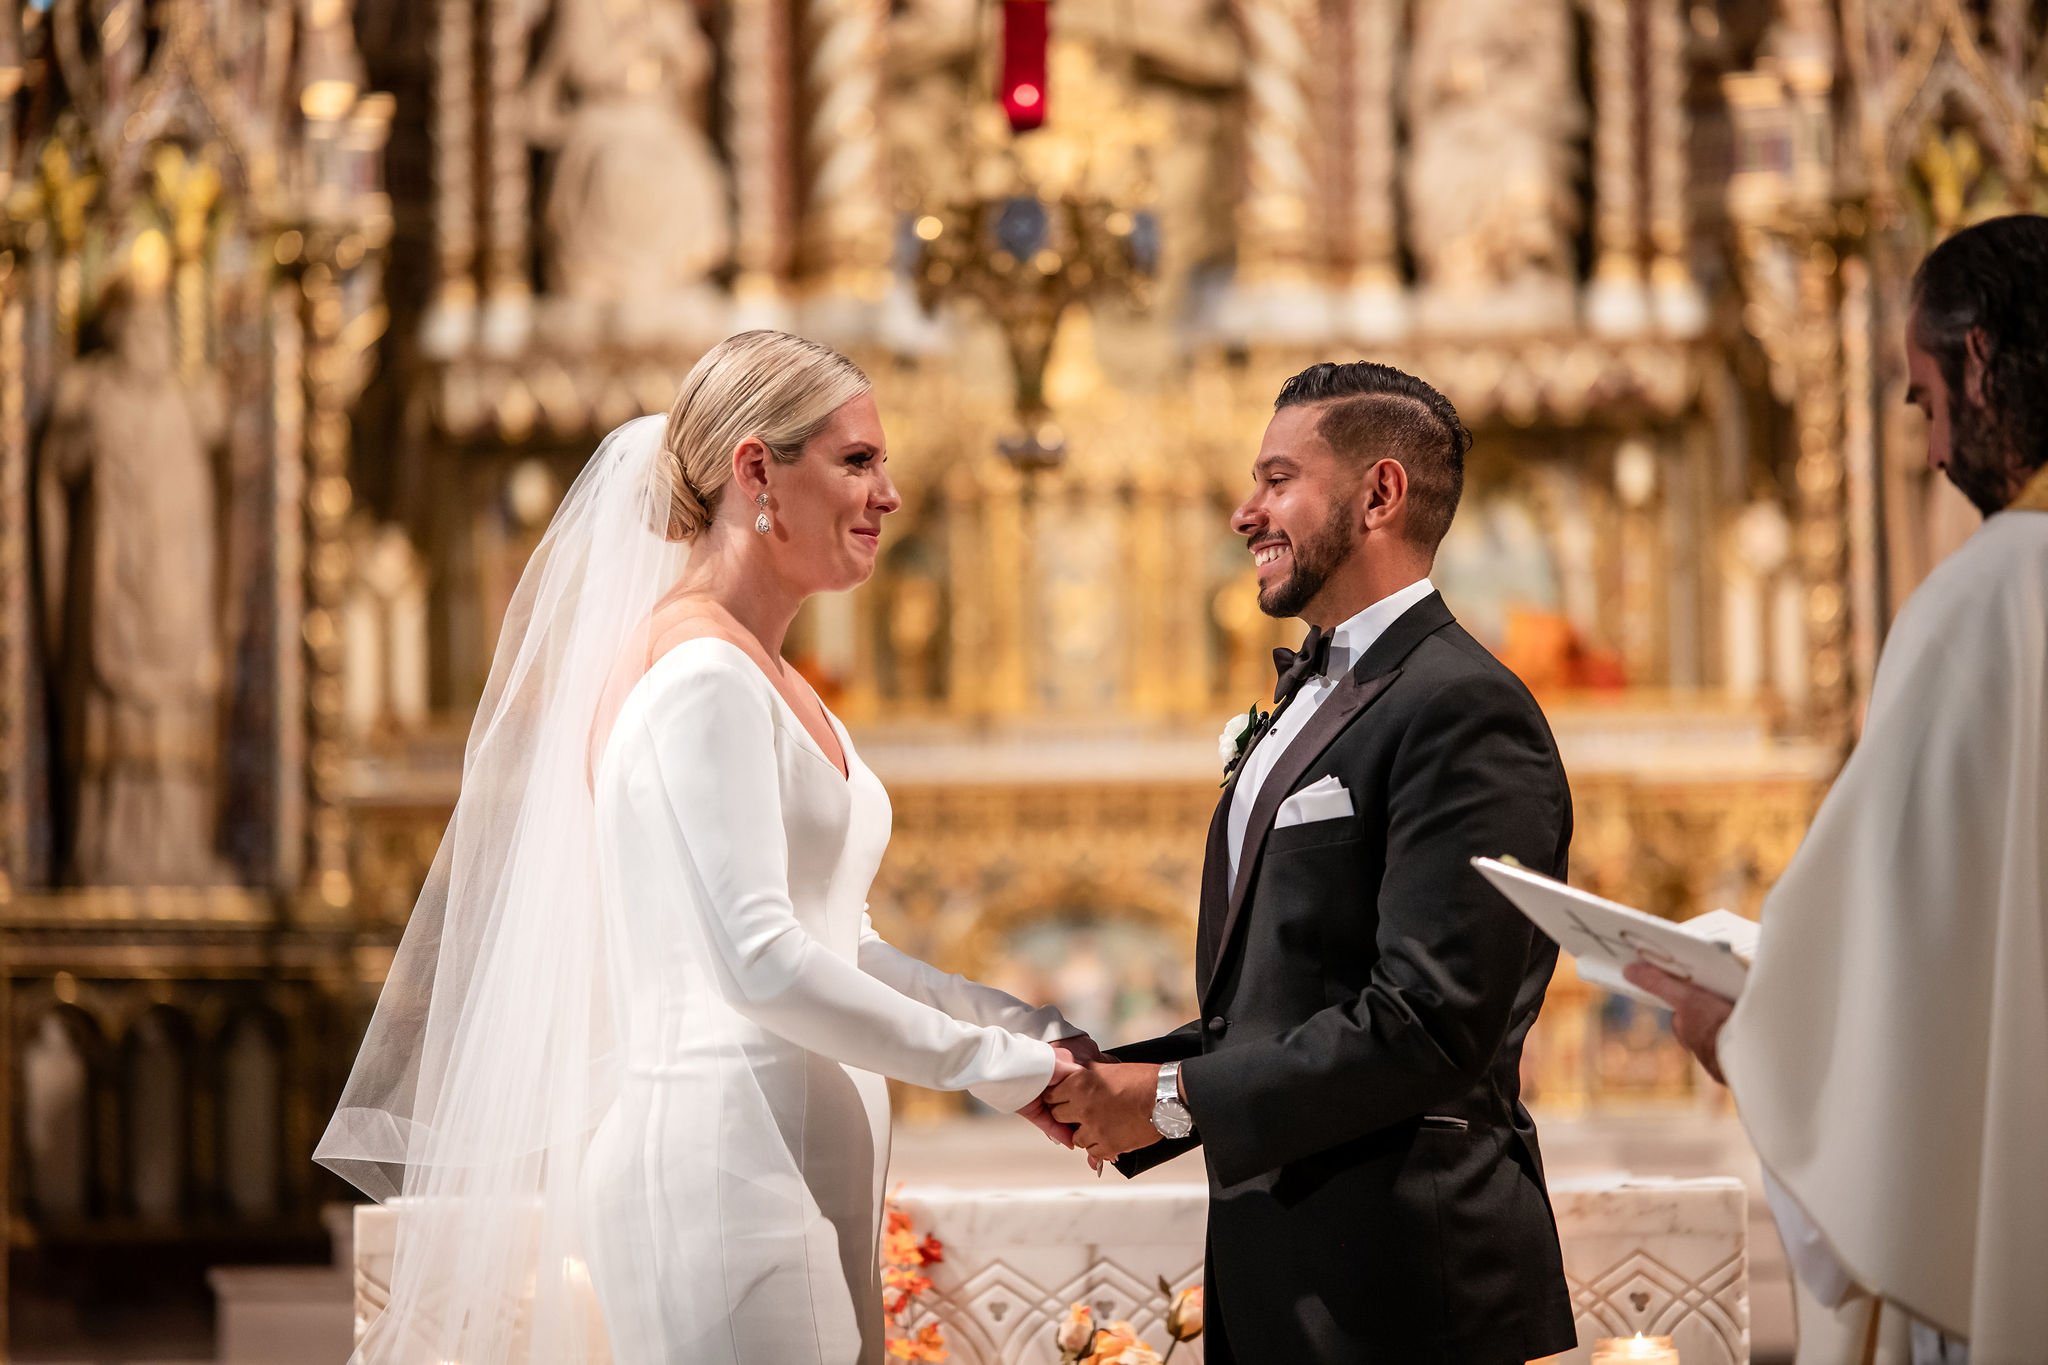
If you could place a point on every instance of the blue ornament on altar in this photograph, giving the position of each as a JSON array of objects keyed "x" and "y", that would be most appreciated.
[{"x": 1022, "y": 227}]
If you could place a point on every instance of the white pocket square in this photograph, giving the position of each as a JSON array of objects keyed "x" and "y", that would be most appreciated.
[{"x": 1323, "y": 799}]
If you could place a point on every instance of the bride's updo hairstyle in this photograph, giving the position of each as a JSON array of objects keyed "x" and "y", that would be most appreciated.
[{"x": 774, "y": 387}]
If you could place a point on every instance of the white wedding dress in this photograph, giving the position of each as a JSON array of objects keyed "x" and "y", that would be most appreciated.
[{"x": 731, "y": 1197}]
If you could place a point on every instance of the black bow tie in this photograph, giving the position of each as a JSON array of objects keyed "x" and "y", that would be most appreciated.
[{"x": 1297, "y": 666}]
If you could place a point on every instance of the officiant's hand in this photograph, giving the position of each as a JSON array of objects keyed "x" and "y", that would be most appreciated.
[
  {"x": 1109, "y": 1106},
  {"x": 1696, "y": 1014},
  {"x": 1068, "y": 1054}
]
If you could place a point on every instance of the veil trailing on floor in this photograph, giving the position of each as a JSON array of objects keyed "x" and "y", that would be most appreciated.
[{"x": 493, "y": 1050}]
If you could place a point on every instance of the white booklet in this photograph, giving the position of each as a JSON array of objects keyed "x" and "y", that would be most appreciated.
[{"x": 1712, "y": 951}]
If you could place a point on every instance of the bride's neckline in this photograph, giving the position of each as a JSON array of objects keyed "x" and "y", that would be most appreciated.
[{"x": 842, "y": 766}]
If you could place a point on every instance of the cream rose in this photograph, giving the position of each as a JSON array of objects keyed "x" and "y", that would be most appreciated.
[
  {"x": 1076, "y": 1332},
  {"x": 1232, "y": 736}
]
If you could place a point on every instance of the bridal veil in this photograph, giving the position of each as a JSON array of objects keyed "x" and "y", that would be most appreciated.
[{"x": 493, "y": 1050}]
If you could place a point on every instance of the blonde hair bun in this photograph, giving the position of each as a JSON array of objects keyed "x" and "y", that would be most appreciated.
[{"x": 768, "y": 386}]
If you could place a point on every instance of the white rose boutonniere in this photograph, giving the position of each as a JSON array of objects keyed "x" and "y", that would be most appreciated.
[{"x": 1239, "y": 734}]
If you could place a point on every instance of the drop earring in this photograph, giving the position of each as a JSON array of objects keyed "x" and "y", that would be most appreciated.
[{"x": 761, "y": 522}]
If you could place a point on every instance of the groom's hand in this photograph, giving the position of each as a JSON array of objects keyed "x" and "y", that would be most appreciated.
[
  {"x": 1065, "y": 1063},
  {"x": 1109, "y": 1106}
]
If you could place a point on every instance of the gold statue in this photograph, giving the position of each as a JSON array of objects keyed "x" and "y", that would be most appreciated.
[{"x": 127, "y": 510}]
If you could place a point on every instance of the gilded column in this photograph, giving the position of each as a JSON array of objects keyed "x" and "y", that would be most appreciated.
[
  {"x": 1860, "y": 472},
  {"x": 331, "y": 361},
  {"x": 452, "y": 316},
  {"x": 1278, "y": 254},
  {"x": 1010, "y": 573},
  {"x": 845, "y": 242},
  {"x": 1822, "y": 543},
  {"x": 862, "y": 693},
  {"x": 18, "y": 617},
  {"x": 967, "y": 669},
  {"x": 1616, "y": 302},
  {"x": 1194, "y": 535},
  {"x": 761, "y": 152},
  {"x": 509, "y": 206},
  {"x": 1638, "y": 486},
  {"x": 1149, "y": 550},
  {"x": 1377, "y": 306},
  {"x": 1274, "y": 240},
  {"x": 288, "y": 501},
  {"x": 1674, "y": 295}
]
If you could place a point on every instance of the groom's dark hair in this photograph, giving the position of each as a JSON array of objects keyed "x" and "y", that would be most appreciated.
[{"x": 1376, "y": 412}]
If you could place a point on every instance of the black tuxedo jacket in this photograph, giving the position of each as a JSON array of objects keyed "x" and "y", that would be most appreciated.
[{"x": 1376, "y": 1192}]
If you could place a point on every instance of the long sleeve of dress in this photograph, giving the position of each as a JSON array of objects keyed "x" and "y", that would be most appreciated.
[
  {"x": 957, "y": 995},
  {"x": 713, "y": 731}
]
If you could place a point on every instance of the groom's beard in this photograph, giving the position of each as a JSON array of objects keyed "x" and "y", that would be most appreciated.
[{"x": 1314, "y": 560}]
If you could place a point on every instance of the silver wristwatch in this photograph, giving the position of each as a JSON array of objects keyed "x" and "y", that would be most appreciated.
[{"x": 1170, "y": 1116}]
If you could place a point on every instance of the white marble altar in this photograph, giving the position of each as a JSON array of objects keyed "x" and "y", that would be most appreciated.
[
  {"x": 1659, "y": 1257},
  {"x": 1017, "y": 1258},
  {"x": 1663, "y": 1257}
]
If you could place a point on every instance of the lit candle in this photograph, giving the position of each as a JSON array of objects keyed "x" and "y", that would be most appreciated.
[{"x": 1635, "y": 1350}]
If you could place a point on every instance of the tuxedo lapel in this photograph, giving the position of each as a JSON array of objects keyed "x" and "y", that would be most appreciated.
[
  {"x": 1358, "y": 690},
  {"x": 1215, "y": 890},
  {"x": 1215, "y": 902}
]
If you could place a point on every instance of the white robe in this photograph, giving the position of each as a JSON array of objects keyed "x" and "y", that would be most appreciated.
[{"x": 1889, "y": 1055}]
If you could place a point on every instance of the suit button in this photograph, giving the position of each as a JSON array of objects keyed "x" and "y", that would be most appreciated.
[{"x": 1218, "y": 1025}]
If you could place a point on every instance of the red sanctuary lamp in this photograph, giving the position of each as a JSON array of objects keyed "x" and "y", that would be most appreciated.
[{"x": 1023, "y": 79}]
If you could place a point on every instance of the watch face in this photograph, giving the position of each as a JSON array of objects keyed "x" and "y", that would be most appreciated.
[{"x": 1171, "y": 1119}]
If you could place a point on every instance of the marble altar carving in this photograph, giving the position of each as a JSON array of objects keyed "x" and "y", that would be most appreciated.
[
  {"x": 1659, "y": 1257},
  {"x": 1664, "y": 1257},
  {"x": 1016, "y": 1259}
]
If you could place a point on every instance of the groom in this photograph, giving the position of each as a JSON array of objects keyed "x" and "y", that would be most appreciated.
[{"x": 1376, "y": 1192}]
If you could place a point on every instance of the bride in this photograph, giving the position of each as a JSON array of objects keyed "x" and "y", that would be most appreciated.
[{"x": 624, "y": 1084}]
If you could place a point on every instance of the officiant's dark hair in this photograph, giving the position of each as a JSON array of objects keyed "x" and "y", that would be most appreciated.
[
  {"x": 1990, "y": 278},
  {"x": 1377, "y": 412}
]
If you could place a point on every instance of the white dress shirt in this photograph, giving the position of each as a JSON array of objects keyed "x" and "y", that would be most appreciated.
[{"x": 1348, "y": 644}]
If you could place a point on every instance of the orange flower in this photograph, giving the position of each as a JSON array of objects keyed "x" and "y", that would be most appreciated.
[
  {"x": 1184, "y": 1319},
  {"x": 1114, "y": 1345},
  {"x": 929, "y": 1345},
  {"x": 906, "y": 1280},
  {"x": 1137, "y": 1353},
  {"x": 1118, "y": 1344},
  {"x": 904, "y": 1254},
  {"x": 899, "y": 1247}
]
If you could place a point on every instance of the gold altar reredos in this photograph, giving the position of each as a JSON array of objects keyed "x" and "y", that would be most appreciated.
[{"x": 1654, "y": 251}]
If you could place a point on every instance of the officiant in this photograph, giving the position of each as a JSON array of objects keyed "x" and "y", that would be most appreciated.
[{"x": 1889, "y": 1054}]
